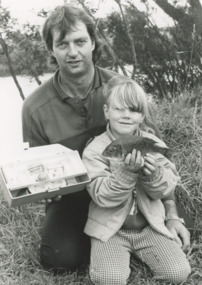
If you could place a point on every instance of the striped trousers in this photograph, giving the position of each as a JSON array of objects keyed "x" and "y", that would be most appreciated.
[{"x": 110, "y": 261}]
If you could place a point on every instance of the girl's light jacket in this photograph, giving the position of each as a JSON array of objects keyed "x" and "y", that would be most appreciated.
[{"x": 111, "y": 189}]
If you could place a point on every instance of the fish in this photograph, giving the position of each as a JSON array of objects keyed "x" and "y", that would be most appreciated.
[{"x": 122, "y": 146}]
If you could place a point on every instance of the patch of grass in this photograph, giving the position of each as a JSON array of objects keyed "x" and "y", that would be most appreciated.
[
  {"x": 19, "y": 249},
  {"x": 20, "y": 227},
  {"x": 181, "y": 126}
]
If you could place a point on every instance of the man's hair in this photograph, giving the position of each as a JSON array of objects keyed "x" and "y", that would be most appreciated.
[{"x": 64, "y": 19}]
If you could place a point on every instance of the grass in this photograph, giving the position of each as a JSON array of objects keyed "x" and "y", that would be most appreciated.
[{"x": 181, "y": 125}]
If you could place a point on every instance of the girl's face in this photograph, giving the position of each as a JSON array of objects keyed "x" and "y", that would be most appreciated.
[{"x": 122, "y": 121}]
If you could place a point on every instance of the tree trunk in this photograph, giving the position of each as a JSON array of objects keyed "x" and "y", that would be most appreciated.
[
  {"x": 129, "y": 38},
  {"x": 5, "y": 51},
  {"x": 197, "y": 15},
  {"x": 36, "y": 78},
  {"x": 175, "y": 13}
]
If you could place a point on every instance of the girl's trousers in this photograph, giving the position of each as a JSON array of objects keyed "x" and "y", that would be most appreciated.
[{"x": 110, "y": 261}]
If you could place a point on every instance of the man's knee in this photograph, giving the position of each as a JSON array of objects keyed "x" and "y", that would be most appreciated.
[
  {"x": 109, "y": 277},
  {"x": 58, "y": 259}
]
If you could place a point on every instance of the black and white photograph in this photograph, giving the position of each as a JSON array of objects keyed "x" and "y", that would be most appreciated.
[{"x": 101, "y": 142}]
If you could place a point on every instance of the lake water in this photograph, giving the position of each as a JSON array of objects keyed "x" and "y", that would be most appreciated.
[{"x": 11, "y": 107}]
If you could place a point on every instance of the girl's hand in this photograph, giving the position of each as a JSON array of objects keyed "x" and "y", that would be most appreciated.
[
  {"x": 150, "y": 164},
  {"x": 134, "y": 161}
]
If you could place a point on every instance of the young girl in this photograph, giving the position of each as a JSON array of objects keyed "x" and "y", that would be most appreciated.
[{"x": 126, "y": 215}]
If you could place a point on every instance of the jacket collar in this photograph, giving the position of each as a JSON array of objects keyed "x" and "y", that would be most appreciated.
[{"x": 63, "y": 95}]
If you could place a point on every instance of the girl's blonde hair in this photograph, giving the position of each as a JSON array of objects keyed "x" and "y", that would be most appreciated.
[{"x": 123, "y": 92}]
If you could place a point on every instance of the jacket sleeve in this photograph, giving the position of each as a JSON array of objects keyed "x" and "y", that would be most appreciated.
[
  {"x": 32, "y": 130},
  {"x": 162, "y": 184},
  {"x": 108, "y": 188}
]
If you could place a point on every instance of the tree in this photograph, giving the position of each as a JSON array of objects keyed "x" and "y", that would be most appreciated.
[
  {"x": 31, "y": 53},
  {"x": 168, "y": 59},
  {"x": 6, "y": 23},
  {"x": 23, "y": 49}
]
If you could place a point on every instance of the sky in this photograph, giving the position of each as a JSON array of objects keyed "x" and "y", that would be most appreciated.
[{"x": 26, "y": 10}]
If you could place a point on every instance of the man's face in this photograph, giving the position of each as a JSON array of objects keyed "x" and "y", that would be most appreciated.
[{"x": 74, "y": 52}]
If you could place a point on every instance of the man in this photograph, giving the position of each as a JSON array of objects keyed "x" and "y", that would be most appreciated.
[{"x": 68, "y": 109}]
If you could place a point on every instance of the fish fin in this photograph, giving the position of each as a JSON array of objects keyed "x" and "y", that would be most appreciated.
[
  {"x": 155, "y": 139},
  {"x": 160, "y": 144}
]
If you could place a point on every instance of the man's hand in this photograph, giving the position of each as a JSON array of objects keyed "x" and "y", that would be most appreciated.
[
  {"x": 180, "y": 233},
  {"x": 50, "y": 200}
]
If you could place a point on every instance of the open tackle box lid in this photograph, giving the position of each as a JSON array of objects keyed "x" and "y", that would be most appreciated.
[{"x": 31, "y": 174}]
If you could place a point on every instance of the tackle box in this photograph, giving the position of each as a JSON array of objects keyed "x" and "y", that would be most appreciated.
[{"x": 28, "y": 175}]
